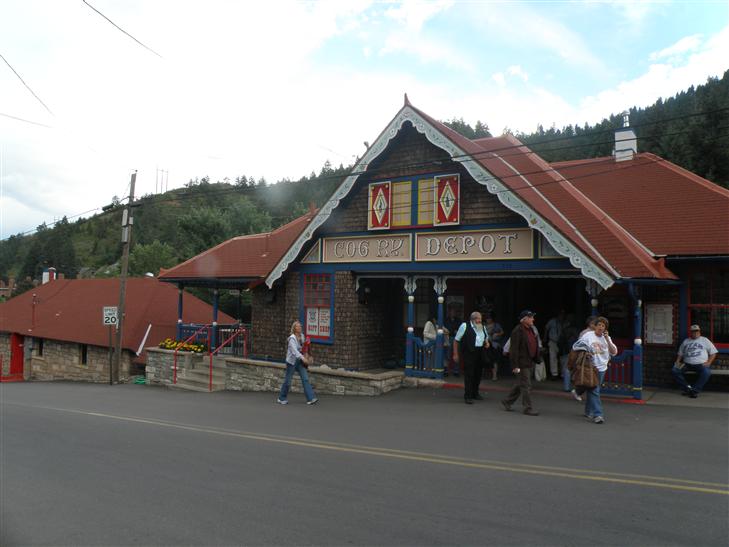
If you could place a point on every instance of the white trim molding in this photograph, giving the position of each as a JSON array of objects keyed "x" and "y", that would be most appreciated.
[{"x": 480, "y": 174}]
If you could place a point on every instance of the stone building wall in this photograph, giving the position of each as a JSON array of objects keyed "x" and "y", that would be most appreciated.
[
  {"x": 5, "y": 352},
  {"x": 62, "y": 361}
]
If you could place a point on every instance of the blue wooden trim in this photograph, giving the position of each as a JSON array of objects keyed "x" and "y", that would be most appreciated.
[
  {"x": 637, "y": 379},
  {"x": 216, "y": 305}
]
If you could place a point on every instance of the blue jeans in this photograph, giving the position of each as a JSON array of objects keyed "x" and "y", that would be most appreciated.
[
  {"x": 303, "y": 374},
  {"x": 593, "y": 404},
  {"x": 704, "y": 373},
  {"x": 566, "y": 376}
]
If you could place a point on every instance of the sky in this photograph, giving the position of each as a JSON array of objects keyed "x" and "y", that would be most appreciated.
[{"x": 274, "y": 89}]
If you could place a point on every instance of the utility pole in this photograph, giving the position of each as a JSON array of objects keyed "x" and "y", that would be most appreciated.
[{"x": 127, "y": 222}]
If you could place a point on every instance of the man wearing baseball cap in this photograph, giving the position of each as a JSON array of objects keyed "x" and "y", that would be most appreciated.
[
  {"x": 695, "y": 354},
  {"x": 523, "y": 353}
]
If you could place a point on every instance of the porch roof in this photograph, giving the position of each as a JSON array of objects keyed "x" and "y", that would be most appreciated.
[
  {"x": 240, "y": 262},
  {"x": 71, "y": 310}
]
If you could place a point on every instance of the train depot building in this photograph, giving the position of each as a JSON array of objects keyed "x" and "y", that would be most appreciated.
[{"x": 429, "y": 221}]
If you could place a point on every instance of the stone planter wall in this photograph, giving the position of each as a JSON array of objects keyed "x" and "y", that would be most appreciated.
[{"x": 160, "y": 363}]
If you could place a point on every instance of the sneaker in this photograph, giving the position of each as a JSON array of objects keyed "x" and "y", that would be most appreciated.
[
  {"x": 589, "y": 416},
  {"x": 693, "y": 394},
  {"x": 506, "y": 406},
  {"x": 575, "y": 396},
  {"x": 530, "y": 412},
  {"x": 313, "y": 401},
  {"x": 598, "y": 420},
  {"x": 478, "y": 397},
  {"x": 468, "y": 401},
  {"x": 282, "y": 401}
]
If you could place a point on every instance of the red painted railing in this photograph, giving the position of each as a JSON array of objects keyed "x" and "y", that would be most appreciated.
[{"x": 227, "y": 341}]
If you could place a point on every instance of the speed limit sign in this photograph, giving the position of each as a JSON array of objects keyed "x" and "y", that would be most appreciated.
[{"x": 111, "y": 317}]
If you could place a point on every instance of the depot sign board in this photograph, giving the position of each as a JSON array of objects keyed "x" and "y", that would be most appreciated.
[
  {"x": 385, "y": 248},
  {"x": 514, "y": 244}
]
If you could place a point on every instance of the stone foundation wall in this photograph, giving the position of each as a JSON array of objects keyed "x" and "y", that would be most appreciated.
[
  {"x": 62, "y": 361},
  {"x": 252, "y": 375}
]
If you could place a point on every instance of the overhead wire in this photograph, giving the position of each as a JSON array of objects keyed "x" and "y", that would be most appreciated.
[
  {"x": 27, "y": 86},
  {"x": 122, "y": 30}
]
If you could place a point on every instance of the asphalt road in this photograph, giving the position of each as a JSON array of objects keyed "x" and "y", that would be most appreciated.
[{"x": 137, "y": 465}]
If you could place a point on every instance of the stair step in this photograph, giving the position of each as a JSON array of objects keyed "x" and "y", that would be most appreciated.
[{"x": 190, "y": 387}]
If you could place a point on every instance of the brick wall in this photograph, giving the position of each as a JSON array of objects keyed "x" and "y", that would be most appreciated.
[
  {"x": 269, "y": 329},
  {"x": 359, "y": 339},
  {"x": 658, "y": 359}
]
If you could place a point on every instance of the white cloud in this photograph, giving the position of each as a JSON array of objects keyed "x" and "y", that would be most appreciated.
[
  {"x": 499, "y": 78},
  {"x": 413, "y": 14},
  {"x": 516, "y": 70},
  {"x": 684, "y": 45}
]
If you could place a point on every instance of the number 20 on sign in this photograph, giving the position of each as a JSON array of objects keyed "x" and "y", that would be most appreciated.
[{"x": 110, "y": 316}]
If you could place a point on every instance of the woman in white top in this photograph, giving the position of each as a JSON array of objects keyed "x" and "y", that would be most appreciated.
[
  {"x": 295, "y": 363},
  {"x": 599, "y": 344}
]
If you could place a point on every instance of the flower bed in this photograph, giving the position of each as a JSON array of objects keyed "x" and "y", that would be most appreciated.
[{"x": 194, "y": 347}]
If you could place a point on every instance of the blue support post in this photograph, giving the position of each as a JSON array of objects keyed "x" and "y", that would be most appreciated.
[
  {"x": 635, "y": 295},
  {"x": 178, "y": 330},
  {"x": 409, "y": 348},
  {"x": 216, "y": 302},
  {"x": 439, "y": 369}
]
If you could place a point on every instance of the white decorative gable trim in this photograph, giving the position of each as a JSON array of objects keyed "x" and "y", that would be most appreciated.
[{"x": 480, "y": 174}]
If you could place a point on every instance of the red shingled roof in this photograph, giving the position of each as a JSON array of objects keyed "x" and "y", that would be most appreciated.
[
  {"x": 670, "y": 210},
  {"x": 561, "y": 204},
  {"x": 71, "y": 310},
  {"x": 249, "y": 257}
]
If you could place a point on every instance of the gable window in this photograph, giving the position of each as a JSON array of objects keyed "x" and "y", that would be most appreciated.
[
  {"x": 425, "y": 201},
  {"x": 402, "y": 202},
  {"x": 318, "y": 306},
  {"x": 708, "y": 304},
  {"x": 84, "y": 354}
]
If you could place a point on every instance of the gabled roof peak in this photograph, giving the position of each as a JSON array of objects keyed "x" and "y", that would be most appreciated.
[{"x": 407, "y": 101}]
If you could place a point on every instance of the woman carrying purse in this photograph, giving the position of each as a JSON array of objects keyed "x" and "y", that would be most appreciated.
[
  {"x": 601, "y": 347},
  {"x": 295, "y": 362}
]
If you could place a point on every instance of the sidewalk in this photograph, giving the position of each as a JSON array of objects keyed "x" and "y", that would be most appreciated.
[{"x": 651, "y": 395}]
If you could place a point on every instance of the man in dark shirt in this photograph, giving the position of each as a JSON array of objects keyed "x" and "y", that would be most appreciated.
[{"x": 523, "y": 353}]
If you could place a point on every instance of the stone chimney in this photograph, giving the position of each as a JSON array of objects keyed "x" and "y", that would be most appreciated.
[{"x": 626, "y": 143}]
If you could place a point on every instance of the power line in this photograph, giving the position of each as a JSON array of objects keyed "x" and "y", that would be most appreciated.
[
  {"x": 121, "y": 29},
  {"x": 26, "y": 121},
  {"x": 27, "y": 86}
]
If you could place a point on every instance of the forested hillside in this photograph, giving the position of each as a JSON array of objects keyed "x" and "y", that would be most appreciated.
[{"x": 689, "y": 129}]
